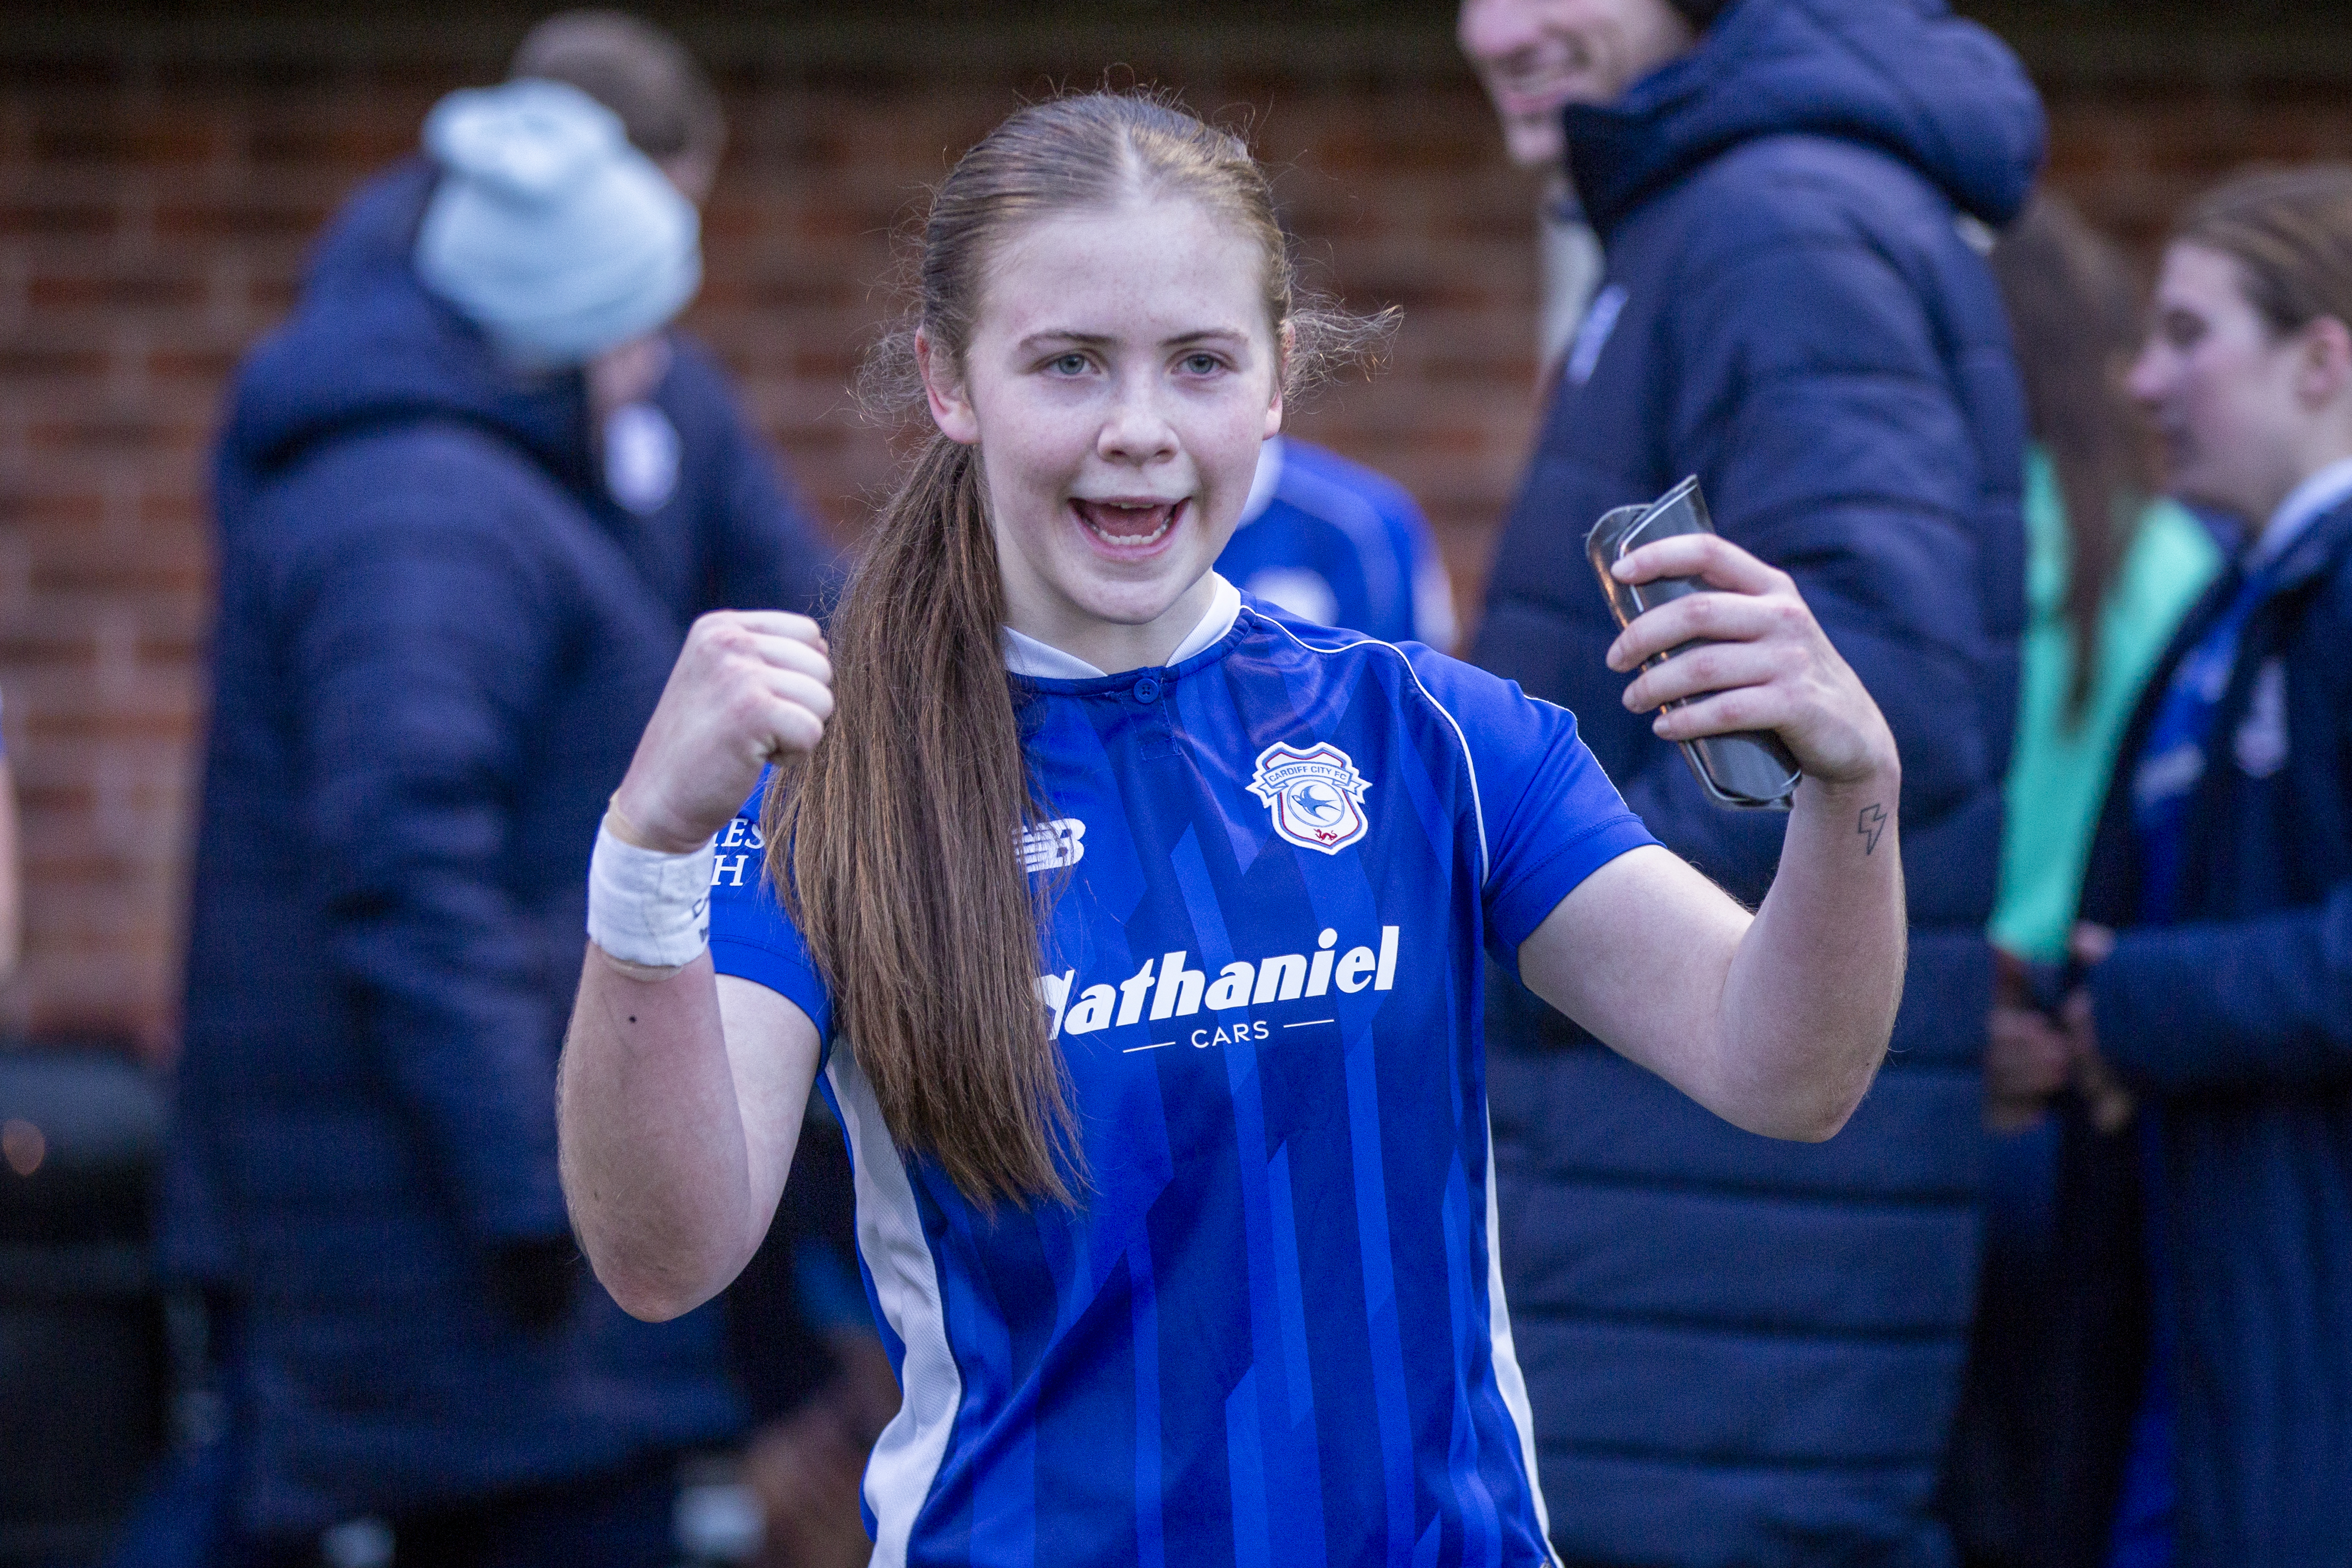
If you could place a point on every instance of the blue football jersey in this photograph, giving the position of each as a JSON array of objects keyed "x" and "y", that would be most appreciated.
[
  {"x": 1335, "y": 542},
  {"x": 1272, "y": 1333}
]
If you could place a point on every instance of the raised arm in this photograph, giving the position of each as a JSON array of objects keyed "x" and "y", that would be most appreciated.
[
  {"x": 681, "y": 1092},
  {"x": 1776, "y": 1021}
]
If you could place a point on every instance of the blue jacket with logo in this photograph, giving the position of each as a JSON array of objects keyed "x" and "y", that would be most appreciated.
[
  {"x": 2236, "y": 1023},
  {"x": 439, "y": 638},
  {"x": 1741, "y": 1352}
]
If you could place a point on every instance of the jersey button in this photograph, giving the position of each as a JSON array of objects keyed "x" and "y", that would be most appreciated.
[{"x": 1147, "y": 689}]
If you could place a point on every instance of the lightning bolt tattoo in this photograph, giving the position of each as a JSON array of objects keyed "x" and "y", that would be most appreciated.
[{"x": 1869, "y": 824}]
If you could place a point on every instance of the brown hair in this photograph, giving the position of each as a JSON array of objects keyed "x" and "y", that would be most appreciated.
[
  {"x": 896, "y": 846},
  {"x": 634, "y": 70},
  {"x": 2074, "y": 310},
  {"x": 2290, "y": 232}
]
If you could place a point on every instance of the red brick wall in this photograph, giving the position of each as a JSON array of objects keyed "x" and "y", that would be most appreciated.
[
  {"x": 2130, "y": 156},
  {"x": 153, "y": 218}
]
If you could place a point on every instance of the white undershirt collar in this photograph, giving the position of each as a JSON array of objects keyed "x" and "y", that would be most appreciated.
[
  {"x": 1025, "y": 655},
  {"x": 2304, "y": 505}
]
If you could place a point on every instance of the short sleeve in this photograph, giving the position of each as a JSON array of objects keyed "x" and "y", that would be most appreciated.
[
  {"x": 1550, "y": 813},
  {"x": 751, "y": 938}
]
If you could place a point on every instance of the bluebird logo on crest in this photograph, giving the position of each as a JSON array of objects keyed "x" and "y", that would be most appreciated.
[{"x": 1316, "y": 796}]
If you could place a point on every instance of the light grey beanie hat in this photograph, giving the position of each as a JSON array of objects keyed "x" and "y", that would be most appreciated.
[{"x": 547, "y": 230}]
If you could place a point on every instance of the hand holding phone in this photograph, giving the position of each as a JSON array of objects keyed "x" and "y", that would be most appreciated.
[
  {"x": 1748, "y": 769},
  {"x": 1737, "y": 670}
]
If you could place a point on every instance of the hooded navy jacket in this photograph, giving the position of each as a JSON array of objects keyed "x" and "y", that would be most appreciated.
[
  {"x": 1741, "y": 1352},
  {"x": 439, "y": 641},
  {"x": 2234, "y": 1022}
]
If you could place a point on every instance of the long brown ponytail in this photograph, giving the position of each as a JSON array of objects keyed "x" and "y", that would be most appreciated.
[
  {"x": 896, "y": 847},
  {"x": 905, "y": 870}
]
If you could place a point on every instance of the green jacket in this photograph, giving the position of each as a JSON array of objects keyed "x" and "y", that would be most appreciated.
[{"x": 2058, "y": 774}]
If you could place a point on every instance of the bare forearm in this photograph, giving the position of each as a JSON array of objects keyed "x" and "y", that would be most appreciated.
[
  {"x": 1775, "y": 1023},
  {"x": 656, "y": 1159},
  {"x": 1811, "y": 996},
  {"x": 681, "y": 1094}
]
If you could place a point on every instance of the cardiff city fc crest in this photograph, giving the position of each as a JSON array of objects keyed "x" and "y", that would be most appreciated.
[{"x": 1316, "y": 797}]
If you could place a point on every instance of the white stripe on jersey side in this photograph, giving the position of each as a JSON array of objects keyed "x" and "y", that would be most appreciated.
[
  {"x": 1477, "y": 806},
  {"x": 1504, "y": 1351},
  {"x": 907, "y": 1457}
]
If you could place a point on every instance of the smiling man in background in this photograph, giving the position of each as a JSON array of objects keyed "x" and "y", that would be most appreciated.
[{"x": 1741, "y": 1353}]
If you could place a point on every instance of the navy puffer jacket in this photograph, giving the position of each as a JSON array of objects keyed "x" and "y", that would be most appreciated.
[
  {"x": 1742, "y": 1352},
  {"x": 439, "y": 638},
  {"x": 2236, "y": 1023}
]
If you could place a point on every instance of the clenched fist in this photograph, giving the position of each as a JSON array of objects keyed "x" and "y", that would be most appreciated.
[{"x": 750, "y": 687}]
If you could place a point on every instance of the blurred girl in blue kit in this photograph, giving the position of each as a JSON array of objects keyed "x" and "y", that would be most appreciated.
[
  {"x": 2217, "y": 951},
  {"x": 1135, "y": 931},
  {"x": 2110, "y": 574},
  {"x": 2112, "y": 568},
  {"x": 1337, "y": 543}
]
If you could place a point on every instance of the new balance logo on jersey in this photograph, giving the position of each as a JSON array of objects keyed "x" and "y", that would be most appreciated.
[
  {"x": 1316, "y": 796},
  {"x": 1060, "y": 842},
  {"x": 1170, "y": 987}
]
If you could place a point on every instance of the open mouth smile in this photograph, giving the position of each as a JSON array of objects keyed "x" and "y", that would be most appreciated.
[
  {"x": 1537, "y": 94},
  {"x": 1128, "y": 525}
]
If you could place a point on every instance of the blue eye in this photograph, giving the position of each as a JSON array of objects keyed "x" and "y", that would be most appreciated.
[
  {"x": 1068, "y": 364},
  {"x": 1202, "y": 364}
]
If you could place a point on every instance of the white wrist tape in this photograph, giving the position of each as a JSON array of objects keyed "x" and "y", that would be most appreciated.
[{"x": 648, "y": 908}]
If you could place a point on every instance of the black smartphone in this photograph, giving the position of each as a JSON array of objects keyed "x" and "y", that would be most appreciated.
[{"x": 1748, "y": 771}]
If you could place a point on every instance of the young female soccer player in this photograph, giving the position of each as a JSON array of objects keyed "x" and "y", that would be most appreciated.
[{"x": 1135, "y": 931}]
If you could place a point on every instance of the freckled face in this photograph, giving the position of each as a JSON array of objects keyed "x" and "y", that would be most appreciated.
[
  {"x": 2221, "y": 388},
  {"x": 1121, "y": 376}
]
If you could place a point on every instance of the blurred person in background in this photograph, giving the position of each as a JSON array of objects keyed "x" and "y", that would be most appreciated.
[
  {"x": 814, "y": 1374},
  {"x": 2216, "y": 956},
  {"x": 1517, "y": 55},
  {"x": 1336, "y": 543},
  {"x": 469, "y": 499},
  {"x": 2109, "y": 575},
  {"x": 2110, "y": 571},
  {"x": 1738, "y": 1353}
]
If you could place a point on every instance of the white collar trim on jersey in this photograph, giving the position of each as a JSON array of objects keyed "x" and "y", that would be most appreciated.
[
  {"x": 1262, "y": 483},
  {"x": 2304, "y": 505},
  {"x": 1025, "y": 655}
]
